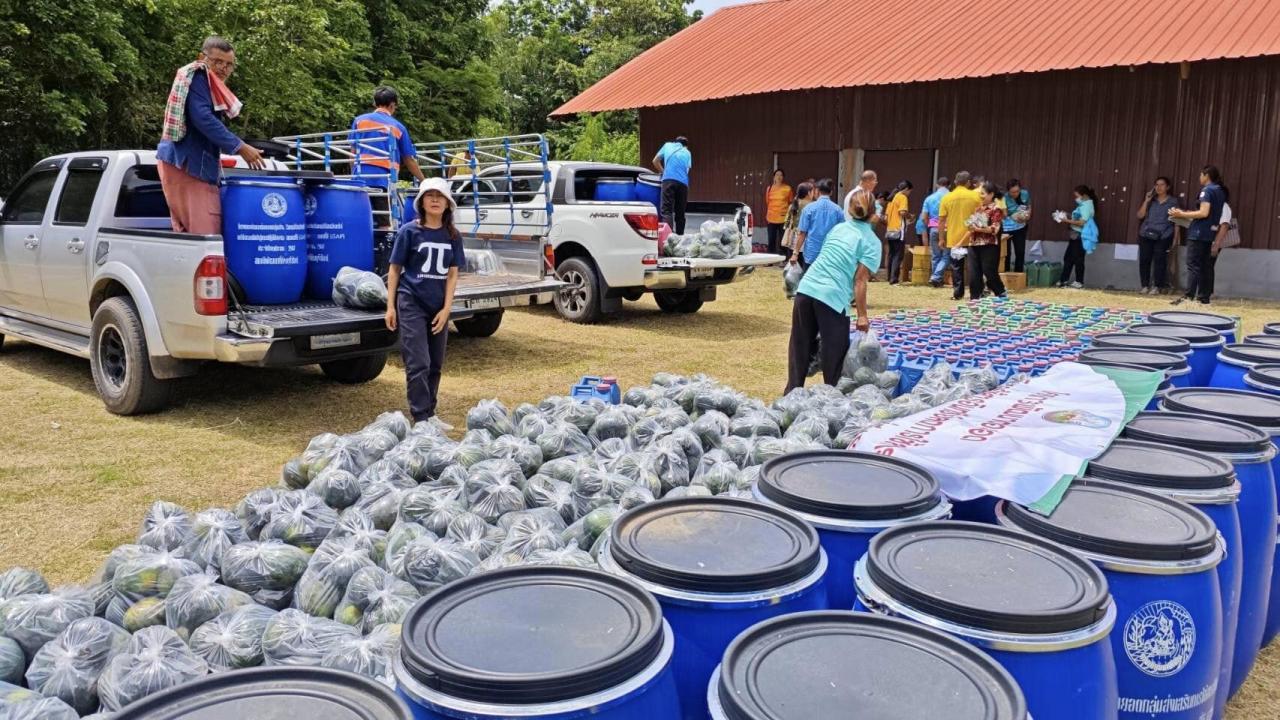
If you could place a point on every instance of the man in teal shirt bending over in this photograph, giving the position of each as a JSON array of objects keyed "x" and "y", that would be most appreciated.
[{"x": 674, "y": 161}]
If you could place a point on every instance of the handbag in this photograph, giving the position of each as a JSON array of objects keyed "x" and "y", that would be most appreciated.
[
  {"x": 1150, "y": 233},
  {"x": 894, "y": 235},
  {"x": 1232, "y": 238}
]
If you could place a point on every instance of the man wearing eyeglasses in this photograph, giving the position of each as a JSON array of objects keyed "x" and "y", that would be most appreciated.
[{"x": 194, "y": 138}]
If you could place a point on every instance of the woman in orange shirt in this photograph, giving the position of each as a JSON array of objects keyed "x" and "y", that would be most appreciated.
[{"x": 777, "y": 200}]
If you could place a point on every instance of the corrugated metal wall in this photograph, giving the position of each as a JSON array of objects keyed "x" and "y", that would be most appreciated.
[{"x": 1114, "y": 129}]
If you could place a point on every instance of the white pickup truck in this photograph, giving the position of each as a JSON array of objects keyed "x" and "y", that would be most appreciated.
[
  {"x": 88, "y": 267},
  {"x": 605, "y": 251}
]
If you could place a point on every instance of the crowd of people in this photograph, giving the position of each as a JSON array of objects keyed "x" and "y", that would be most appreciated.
[{"x": 966, "y": 217}]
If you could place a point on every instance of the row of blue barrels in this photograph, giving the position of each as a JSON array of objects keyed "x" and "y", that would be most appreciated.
[
  {"x": 284, "y": 238},
  {"x": 647, "y": 187}
]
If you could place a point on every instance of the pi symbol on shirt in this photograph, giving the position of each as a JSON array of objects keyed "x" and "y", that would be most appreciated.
[{"x": 435, "y": 260}]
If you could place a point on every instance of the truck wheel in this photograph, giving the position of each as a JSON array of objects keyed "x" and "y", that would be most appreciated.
[
  {"x": 632, "y": 294},
  {"x": 119, "y": 361},
  {"x": 580, "y": 301},
  {"x": 355, "y": 371},
  {"x": 479, "y": 326},
  {"x": 678, "y": 301}
]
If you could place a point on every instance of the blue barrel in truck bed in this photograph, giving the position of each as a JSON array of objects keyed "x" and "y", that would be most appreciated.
[{"x": 264, "y": 237}]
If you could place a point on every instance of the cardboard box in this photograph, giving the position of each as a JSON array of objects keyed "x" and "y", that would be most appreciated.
[{"x": 1014, "y": 282}]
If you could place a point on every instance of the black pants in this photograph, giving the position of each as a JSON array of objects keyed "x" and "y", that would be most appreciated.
[
  {"x": 810, "y": 319},
  {"x": 423, "y": 354},
  {"x": 1016, "y": 260},
  {"x": 957, "y": 277},
  {"x": 675, "y": 197},
  {"x": 896, "y": 249},
  {"x": 1073, "y": 258},
  {"x": 1200, "y": 267},
  {"x": 984, "y": 264},
  {"x": 1153, "y": 262},
  {"x": 775, "y": 238}
]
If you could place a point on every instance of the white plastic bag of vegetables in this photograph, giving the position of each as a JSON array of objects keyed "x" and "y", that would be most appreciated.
[
  {"x": 359, "y": 289},
  {"x": 473, "y": 533},
  {"x": 33, "y": 620},
  {"x": 267, "y": 571},
  {"x": 212, "y": 532},
  {"x": 21, "y": 581},
  {"x": 233, "y": 640},
  {"x": 17, "y": 703},
  {"x": 293, "y": 637},
  {"x": 155, "y": 659},
  {"x": 430, "y": 563},
  {"x": 374, "y": 597},
  {"x": 68, "y": 666},
  {"x": 197, "y": 599},
  {"x": 13, "y": 662},
  {"x": 165, "y": 526},
  {"x": 369, "y": 655}
]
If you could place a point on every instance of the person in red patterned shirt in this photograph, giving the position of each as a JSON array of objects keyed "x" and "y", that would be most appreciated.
[{"x": 984, "y": 244}]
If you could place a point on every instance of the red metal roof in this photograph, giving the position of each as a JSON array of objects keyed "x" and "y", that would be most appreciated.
[{"x": 754, "y": 48}]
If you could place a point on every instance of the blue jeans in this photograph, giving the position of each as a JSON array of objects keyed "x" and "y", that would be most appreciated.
[{"x": 939, "y": 258}]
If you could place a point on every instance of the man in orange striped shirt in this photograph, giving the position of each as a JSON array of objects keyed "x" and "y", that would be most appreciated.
[{"x": 383, "y": 141}]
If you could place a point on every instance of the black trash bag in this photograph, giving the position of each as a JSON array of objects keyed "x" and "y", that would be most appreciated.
[
  {"x": 755, "y": 424},
  {"x": 268, "y": 571},
  {"x": 374, "y": 597},
  {"x": 370, "y": 655},
  {"x": 300, "y": 519},
  {"x": 68, "y": 667},
  {"x": 492, "y": 416},
  {"x": 21, "y": 581},
  {"x": 393, "y": 422},
  {"x": 495, "y": 488},
  {"x": 612, "y": 423},
  {"x": 522, "y": 452},
  {"x": 151, "y": 575},
  {"x": 543, "y": 491},
  {"x": 711, "y": 427},
  {"x": 359, "y": 289},
  {"x": 255, "y": 509},
  {"x": 155, "y": 659},
  {"x": 473, "y": 533},
  {"x": 17, "y": 703},
  {"x": 562, "y": 439},
  {"x": 338, "y": 489},
  {"x": 293, "y": 637},
  {"x": 165, "y": 526},
  {"x": 233, "y": 640},
  {"x": 430, "y": 563},
  {"x": 398, "y": 538},
  {"x": 212, "y": 532},
  {"x": 197, "y": 599},
  {"x": 13, "y": 661},
  {"x": 568, "y": 556}
]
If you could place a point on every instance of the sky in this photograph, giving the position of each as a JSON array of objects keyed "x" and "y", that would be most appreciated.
[{"x": 706, "y": 6}]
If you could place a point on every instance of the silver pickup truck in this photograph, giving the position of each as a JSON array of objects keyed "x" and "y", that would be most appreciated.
[{"x": 88, "y": 267}]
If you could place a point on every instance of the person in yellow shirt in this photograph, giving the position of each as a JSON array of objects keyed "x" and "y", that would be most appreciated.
[
  {"x": 896, "y": 217},
  {"x": 953, "y": 214},
  {"x": 777, "y": 199}
]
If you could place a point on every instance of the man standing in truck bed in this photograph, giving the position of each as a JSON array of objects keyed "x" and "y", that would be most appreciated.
[
  {"x": 189, "y": 154},
  {"x": 674, "y": 161}
]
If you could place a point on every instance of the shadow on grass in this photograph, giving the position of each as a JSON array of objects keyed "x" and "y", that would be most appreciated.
[{"x": 714, "y": 322}]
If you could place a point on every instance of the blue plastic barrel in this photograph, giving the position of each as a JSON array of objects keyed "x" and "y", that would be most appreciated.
[
  {"x": 828, "y": 665},
  {"x": 1221, "y": 324},
  {"x": 1039, "y": 610},
  {"x": 1235, "y": 362},
  {"x": 1134, "y": 341},
  {"x": 649, "y": 189},
  {"x": 1264, "y": 379},
  {"x": 1205, "y": 344},
  {"x": 339, "y": 232},
  {"x": 615, "y": 190},
  {"x": 545, "y": 643},
  {"x": 849, "y": 497},
  {"x": 1208, "y": 484},
  {"x": 1262, "y": 339},
  {"x": 409, "y": 211},
  {"x": 264, "y": 237},
  {"x": 1249, "y": 450},
  {"x": 1263, "y": 412},
  {"x": 1271, "y": 328},
  {"x": 718, "y": 566},
  {"x": 273, "y": 692},
  {"x": 1175, "y": 367}
]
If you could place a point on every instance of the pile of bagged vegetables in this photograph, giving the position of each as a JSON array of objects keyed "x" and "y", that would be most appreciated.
[
  {"x": 713, "y": 240},
  {"x": 321, "y": 568}
]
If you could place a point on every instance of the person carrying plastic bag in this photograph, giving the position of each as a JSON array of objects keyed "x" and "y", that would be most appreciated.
[
  {"x": 851, "y": 253},
  {"x": 423, "y": 275}
]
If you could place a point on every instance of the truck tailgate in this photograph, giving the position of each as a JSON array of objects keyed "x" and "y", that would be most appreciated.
[
  {"x": 741, "y": 261},
  {"x": 476, "y": 292}
]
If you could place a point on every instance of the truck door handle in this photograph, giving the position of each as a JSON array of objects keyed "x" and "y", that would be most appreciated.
[
  {"x": 76, "y": 246},
  {"x": 526, "y": 214},
  {"x": 482, "y": 214},
  {"x": 31, "y": 242}
]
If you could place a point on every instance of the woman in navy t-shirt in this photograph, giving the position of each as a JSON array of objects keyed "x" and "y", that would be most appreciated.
[{"x": 423, "y": 275}]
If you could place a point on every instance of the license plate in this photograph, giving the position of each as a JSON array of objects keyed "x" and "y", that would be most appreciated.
[
  {"x": 483, "y": 303},
  {"x": 701, "y": 273},
  {"x": 325, "y": 342}
]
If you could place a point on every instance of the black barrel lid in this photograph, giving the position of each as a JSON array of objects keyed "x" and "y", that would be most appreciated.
[
  {"x": 1162, "y": 466},
  {"x": 849, "y": 485},
  {"x": 1267, "y": 376},
  {"x": 1245, "y": 353},
  {"x": 988, "y": 577},
  {"x": 1194, "y": 334},
  {"x": 823, "y": 665},
  {"x": 309, "y": 693},
  {"x": 1197, "y": 432},
  {"x": 1271, "y": 328},
  {"x": 1264, "y": 339},
  {"x": 529, "y": 635},
  {"x": 1255, "y": 408},
  {"x": 1174, "y": 345},
  {"x": 1219, "y": 323},
  {"x": 724, "y": 545},
  {"x": 1154, "y": 359},
  {"x": 1121, "y": 521}
]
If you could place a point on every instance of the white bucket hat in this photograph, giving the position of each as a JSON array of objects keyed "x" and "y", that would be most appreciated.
[{"x": 441, "y": 186}]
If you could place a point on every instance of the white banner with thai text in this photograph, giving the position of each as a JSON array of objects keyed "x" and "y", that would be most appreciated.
[{"x": 1015, "y": 442}]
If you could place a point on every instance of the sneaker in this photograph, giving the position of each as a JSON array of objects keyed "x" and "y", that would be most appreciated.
[
  {"x": 1146, "y": 291},
  {"x": 1077, "y": 286},
  {"x": 935, "y": 283},
  {"x": 1203, "y": 302}
]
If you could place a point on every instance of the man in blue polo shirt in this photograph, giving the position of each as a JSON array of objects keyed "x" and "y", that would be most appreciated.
[
  {"x": 673, "y": 162},
  {"x": 927, "y": 226},
  {"x": 816, "y": 221},
  {"x": 1201, "y": 235}
]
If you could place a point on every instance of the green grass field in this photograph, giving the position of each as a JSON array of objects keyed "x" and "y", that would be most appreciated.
[{"x": 74, "y": 480}]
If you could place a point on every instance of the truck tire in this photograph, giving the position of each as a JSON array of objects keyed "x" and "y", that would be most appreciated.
[
  {"x": 480, "y": 326},
  {"x": 632, "y": 294},
  {"x": 355, "y": 371},
  {"x": 580, "y": 301},
  {"x": 678, "y": 301},
  {"x": 119, "y": 361}
]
